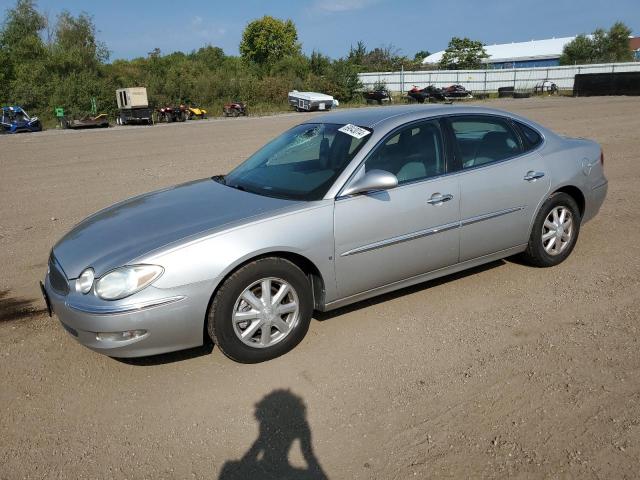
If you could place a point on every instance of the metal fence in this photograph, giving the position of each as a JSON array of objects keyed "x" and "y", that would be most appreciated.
[{"x": 522, "y": 79}]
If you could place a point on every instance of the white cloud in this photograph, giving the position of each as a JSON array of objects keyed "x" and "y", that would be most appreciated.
[
  {"x": 334, "y": 6},
  {"x": 206, "y": 30}
]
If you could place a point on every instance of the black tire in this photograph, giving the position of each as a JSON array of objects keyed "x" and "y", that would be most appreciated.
[
  {"x": 536, "y": 254},
  {"x": 219, "y": 320}
]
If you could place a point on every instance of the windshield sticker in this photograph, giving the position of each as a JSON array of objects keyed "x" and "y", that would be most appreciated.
[{"x": 354, "y": 131}]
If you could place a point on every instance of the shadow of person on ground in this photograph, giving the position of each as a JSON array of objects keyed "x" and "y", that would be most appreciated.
[
  {"x": 14, "y": 308},
  {"x": 283, "y": 420}
]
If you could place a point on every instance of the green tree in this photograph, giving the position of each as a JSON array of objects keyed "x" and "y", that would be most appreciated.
[
  {"x": 24, "y": 57},
  {"x": 578, "y": 51},
  {"x": 76, "y": 58},
  {"x": 421, "y": 55},
  {"x": 357, "y": 53},
  {"x": 319, "y": 63},
  {"x": 268, "y": 39},
  {"x": 343, "y": 82},
  {"x": 76, "y": 37},
  {"x": 600, "y": 47},
  {"x": 618, "y": 48},
  {"x": 463, "y": 54},
  {"x": 210, "y": 56}
]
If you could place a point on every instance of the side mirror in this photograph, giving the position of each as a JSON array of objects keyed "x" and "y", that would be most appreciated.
[{"x": 371, "y": 181}]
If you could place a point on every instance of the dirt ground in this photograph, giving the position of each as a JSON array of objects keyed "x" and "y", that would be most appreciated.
[{"x": 503, "y": 371}]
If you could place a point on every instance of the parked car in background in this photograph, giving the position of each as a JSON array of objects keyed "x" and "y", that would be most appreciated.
[
  {"x": 338, "y": 209},
  {"x": 14, "y": 119}
]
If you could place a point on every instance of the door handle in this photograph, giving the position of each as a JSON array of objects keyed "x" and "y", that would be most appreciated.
[
  {"x": 532, "y": 176},
  {"x": 439, "y": 199}
]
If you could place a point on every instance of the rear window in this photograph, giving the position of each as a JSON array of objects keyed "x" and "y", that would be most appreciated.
[{"x": 531, "y": 137}]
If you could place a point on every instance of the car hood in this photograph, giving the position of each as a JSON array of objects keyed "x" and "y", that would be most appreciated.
[{"x": 125, "y": 231}]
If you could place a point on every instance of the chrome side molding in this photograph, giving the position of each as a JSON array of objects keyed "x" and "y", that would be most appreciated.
[{"x": 430, "y": 231}]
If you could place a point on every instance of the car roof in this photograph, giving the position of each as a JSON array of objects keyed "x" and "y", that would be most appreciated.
[{"x": 372, "y": 117}]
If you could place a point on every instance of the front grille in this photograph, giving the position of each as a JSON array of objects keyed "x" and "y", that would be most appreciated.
[{"x": 57, "y": 279}]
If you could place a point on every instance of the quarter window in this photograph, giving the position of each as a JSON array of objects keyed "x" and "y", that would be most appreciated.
[
  {"x": 483, "y": 140},
  {"x": 414, "y": 153},
  {"x": 531, "y": 137}
]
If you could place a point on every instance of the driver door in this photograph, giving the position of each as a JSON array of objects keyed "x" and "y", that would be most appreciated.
[{"x": 387, "y": 236}]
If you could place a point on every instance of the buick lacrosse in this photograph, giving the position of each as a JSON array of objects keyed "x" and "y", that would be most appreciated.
[{"x": 343, "y": 207}]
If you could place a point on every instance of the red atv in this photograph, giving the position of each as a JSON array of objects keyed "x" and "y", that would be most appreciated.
[
  {"x": 234, "y": 109},
  {"x": 170, "y": 114}
]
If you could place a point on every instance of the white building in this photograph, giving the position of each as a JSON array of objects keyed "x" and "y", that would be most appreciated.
[{"x": 535, "y": 53}]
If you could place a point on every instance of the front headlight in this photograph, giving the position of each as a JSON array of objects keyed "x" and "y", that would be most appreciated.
[
  {"x": 85, "y": 281},
  {"x": 126, "y": 281}
]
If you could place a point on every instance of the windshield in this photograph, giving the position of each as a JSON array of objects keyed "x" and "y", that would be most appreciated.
[{"x": 300, "y": 164}]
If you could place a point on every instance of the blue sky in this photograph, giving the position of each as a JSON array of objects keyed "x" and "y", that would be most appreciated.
[{"x": 133, "y": 28}]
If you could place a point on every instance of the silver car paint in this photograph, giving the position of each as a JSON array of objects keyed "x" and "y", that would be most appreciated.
[
  {"x": 202, "y": 231},
  {"x": 116, "y": 235}
]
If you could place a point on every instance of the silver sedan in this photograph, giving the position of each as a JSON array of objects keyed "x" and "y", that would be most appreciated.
[{"x": 341, "y": 208}]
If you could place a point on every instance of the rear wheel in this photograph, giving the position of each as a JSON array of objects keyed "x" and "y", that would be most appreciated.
[
  {"x": 261, "y": 311},
  {"x": 555, "y": 231}
]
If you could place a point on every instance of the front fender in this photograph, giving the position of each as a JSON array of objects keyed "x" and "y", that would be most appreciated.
[{"x": 308, "y": 233}]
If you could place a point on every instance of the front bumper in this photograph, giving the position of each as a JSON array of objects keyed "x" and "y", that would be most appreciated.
[{"x": 173, "y": 319}]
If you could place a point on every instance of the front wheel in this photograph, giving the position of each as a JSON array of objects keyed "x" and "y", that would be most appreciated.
[
  {"x": 261, "y": 311},
  {"x": 555, "y": 231}
]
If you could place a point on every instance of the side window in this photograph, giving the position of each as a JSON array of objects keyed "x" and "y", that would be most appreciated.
[
  {"x": 414, "y": 153},
  {"x": 531, "y": 137},
  {"x": 483, "y": 139}
]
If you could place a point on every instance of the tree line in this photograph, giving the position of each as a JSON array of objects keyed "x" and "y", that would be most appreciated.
[
  {"x": 47, "y": 64},
  {"x": 62, "y": 63}
]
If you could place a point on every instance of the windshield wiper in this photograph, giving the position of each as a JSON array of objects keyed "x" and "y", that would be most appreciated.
[{"x": 221, "y": 179}]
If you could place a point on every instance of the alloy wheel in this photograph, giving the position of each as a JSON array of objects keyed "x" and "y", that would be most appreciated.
[
  {"x": 557, "y": 230},
  {"x": 265, "y": 312}
]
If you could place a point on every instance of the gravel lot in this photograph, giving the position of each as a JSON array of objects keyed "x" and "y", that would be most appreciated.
[{"x": 503, "y": 371}]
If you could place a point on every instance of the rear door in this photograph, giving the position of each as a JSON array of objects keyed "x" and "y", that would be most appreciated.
[
  {"x": 502, "y": 182},
  {"x": 388, "y": 236}
]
